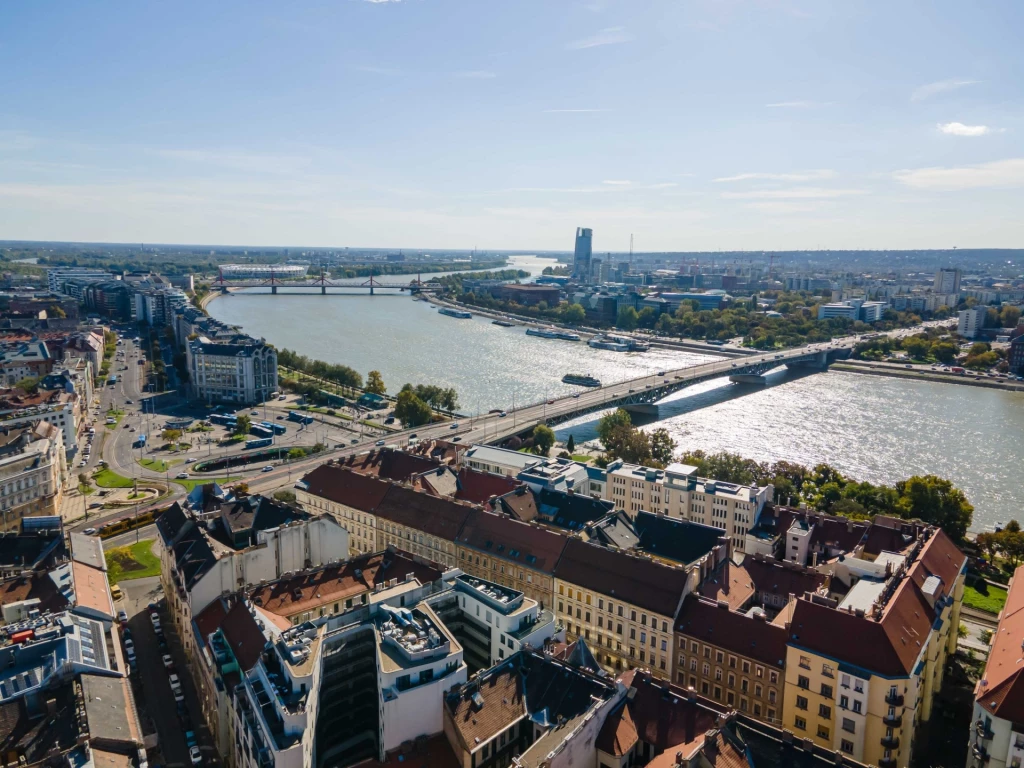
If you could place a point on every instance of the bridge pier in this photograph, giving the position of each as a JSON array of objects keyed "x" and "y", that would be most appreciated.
[
  {"x": 748, "y": 378},
  {"x": 273, "y": 289},
  {"x": 323, "y": 289},
  {"x": 819, "y": 362}
]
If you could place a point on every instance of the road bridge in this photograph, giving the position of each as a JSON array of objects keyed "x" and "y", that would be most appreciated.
[{"x": 322, "y": 283}]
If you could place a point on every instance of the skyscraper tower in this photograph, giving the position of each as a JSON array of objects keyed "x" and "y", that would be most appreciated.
[{"x": 581, "y": 257}]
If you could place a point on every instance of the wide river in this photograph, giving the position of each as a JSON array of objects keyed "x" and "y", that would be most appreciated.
[{"x": 872, "y": 428}]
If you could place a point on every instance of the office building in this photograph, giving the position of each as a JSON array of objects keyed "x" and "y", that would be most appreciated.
[
  {"x": 854, "y": 309},
  {"x": 239, "y": 370},
  {"x": 156, "y": 306},
  {"x": 971, "y": 321},
  {"x": 947, "y": 280},
  {"x": 56, "y": 277},
  {"x": 581, "y": 267}
]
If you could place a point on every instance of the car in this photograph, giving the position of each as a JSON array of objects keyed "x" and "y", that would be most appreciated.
[
  {"x": 122, "y": 617},
  {"x": 268, "y": 468},
  {"x": 283, "y": 397},
  {"x": 178, "y": 695},
  {"x": 379, "y": 443},
  {"x": 632, "y": 390},
  {"x": 661, "y": 373},
  {"x": 280, "y": 417},
  {"x": 551, "y": 402},
  {"x": 908, "y": 366},
  {"x": 457, "y": 439},
  {"x": 354, "y": 441},
  {"x": 181, "y": 476},
  {"x": 503, "y": 414},
  {"x": 127, "y": 426},
  {"x": 155, "y": 619},
  {"x": 132, "y": 429},
  {"x": 95, "y": 505},
  {"x": 412, "y": 436},
  {"x": 168, "y": 661},
  {"x": 82, "y": 463},
  {"x": 389, "y": 420},
  {"x": 90, "y": 531},
  {"x": 129, "y": 645},
  {"x": 254, "y": 413},
  {"x": 129, "y": 402},
  {"x": 455, "y": 425},
  {"x": 195, "y": 756},
  {"x": 577, "y": 394},
  {"x": 174, "y": 680}
]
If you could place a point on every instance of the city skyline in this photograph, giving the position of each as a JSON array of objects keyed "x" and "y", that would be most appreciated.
[{"x": 735, "y": 126}]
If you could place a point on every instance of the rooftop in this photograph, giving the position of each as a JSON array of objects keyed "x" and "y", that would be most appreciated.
[{"x": 512, "y": 540}]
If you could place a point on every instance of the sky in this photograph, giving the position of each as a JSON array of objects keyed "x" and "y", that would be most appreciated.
[{"x": 506, "y": 124}]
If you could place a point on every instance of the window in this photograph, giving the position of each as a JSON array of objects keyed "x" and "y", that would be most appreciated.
[
  {"x": 826, "y": 691},
  {"x": 822, "y": 732},
  {"x": 844, "y": 702},
  {"x": 858, "y": 686},
  {"x": 845, "y": 681},
  {"x": 805, "y": 662},
  {"x": 803, "y": 682},
  {"x": 824, "y": 711},
  {"x": 827, "y": 671},
  {"x": 849, "y": 726},
  {"x": 719, "y": 657},
  {"x": 801, "y": 702},
  {"x": 773, "y": 677},
  {"x": 718, "y": 673},
  {"x": 856, "y": 706},
  {"x": 799, "y": 722},
  {"x": 846, "y": 746}
]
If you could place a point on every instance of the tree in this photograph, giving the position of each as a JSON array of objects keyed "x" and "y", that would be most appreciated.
[
  {"x": 630, "y": 444},
  {"x": 449, "y": 400},
  {"x": 608, "y": 423},
  {"x": 543, "y": 439},
  {"x": 570, "y": 445},
  {"x": 1013, "y": 525},
  {"x": 55, "y": 311},
  {"x": 242, "y": 425},
  {"x": 1011, "y": 544},
  {"x": 628, "y": 319},
  {"x": 916, "y": 347},
  {"x": 28, "y": 385},
  {"x": 935, "y": 500},
  {"x": 988, "y": 543},
  {"x": 1009, "y": 316},
  {"x": 171, "y": 435},
  {"x": 286, "y": 497},
  {"x": 574, "y": 314},
  {"x": 412, "y": 411},
  {"x": 945, "y": 352},
  {"x": 375, "y": 383},
  {"x": 662, "y": 445}
]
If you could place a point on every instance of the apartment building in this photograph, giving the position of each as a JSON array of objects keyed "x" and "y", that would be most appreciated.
[
  {"x": 500, "y": 461},
  {"x": 971, "y": 321},
  {"x": 512, "y": 553},
  {"x": 240, "y": 370},
  {"x": 156, "y": 306},
  {"x": 997, "y": 722},
  {"x": 730, "y": 658},
  {"x": 24, "y": 360},
  {"x": 421, "y": 523},
  {"x": 622, "y": 604},
  {"x": 348, "y": 496},
  {"x": 57, "y": 408},
  {"x": 33, "y": 469},
  {"x": 677, "y": 492},
  {"x": 57, "y": 276},
  {"x": 864, "y": 663}
]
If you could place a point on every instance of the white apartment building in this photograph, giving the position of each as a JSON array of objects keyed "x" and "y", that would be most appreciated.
[
  {"x": 500, "y": 461},
  {"x": 156, "y": 306},
  {"x": 971, "y": 321},
  {"x": 62, "y": 414},
  {"x": 947, "y": 280},
  {"x": 32, "y": 473},
  {"x": 241, "y": 370},
  {"x": 677, "y": 492},
  {"x": 56, "y": 276}
]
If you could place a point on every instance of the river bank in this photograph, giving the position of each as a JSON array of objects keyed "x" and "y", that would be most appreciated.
[{"x": 926, "y": 374}]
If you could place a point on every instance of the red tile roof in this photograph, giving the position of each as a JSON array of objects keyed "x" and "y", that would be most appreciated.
[
  {"x": 343, "y": 486},
  {"x": 389, "y": 464},
  {"x": 638, "y": 581},
  {"x": 210, "y": 618},
  {"x": 781, "y": 578},
  {"x": 479, "y": 487},
  {"x": 500, "y": 536},
  {"x": 730, "y": 583},
  {"x": 245, "y": 638},
  {"x": 434, "y": 515},
  {"x": 708, "y": 622}
]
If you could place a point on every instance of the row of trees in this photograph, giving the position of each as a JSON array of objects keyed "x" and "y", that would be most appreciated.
[
  {"x": 932, "y": 499},
  {"x": 333, "y": 372},
  {"x": 1008, "y": 542},
  {"x": 935, "y": 345},
  {"x": 415, "y": 404}
]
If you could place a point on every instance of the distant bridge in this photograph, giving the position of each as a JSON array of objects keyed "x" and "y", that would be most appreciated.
[{"x": 321, "y": 283}]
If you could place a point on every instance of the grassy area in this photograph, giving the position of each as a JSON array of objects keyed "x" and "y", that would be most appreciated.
[
  {"x": 581, "y": 458},
  {"x": 985, "y": 597},
  {"x": 159, "y": 465},
  {"x": 116, "y": 416},
  {"x": 86, "y": 490},
  {"x": 192, "y": 482},
  {"x": 135, "y": 561},
  {"x": 106, "y": 478}
]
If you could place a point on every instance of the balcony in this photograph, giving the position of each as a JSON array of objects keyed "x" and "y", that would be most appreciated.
[
  {"x": 894, "y": 699},
  {"x": 980, "y": 753},
  {"x": 891, "y": 742},
  {"x": 887, "y": 762},
  {"x": 983, "y": 731},
  {"x": 893, "y": 721}
]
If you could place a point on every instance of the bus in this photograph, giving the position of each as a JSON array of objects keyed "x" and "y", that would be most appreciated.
[
  {"x": 299, "y": 417},
  {"x": 140, "y": 442},
  {"x": 260, "y": 431},
  {"x": 279, "y": 429},
  {"x": 112, "y": 380},
  {"x": 220, "y": 418},
  {"x": 262, "y": 442}
]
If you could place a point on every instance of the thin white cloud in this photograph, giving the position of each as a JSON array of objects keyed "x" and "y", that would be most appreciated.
[
  {"x": 237, "y": 161},
  {"x": 793, "y": 193},
  {"x": 817, "y": 175},
  {"x": 780, "y": 206},
  {"x": 381, "y": 2},
  {"x": 15, "y": 141},
  {"x": 994, "y": 175},
  {"x": 607, "y": 36},
  {"x": 379, "y": 70},
  {"x": 617, "y": 182},
  {"x": 477, "y": 74},
  {"x": 942, "y": 86},
  {"x": 959, "y": 129},
  {"x": 572, "y": 111},
  {"x": 663, "y": 185}
]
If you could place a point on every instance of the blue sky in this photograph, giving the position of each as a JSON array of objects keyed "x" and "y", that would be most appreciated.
[{"x": 694, "y": 124}]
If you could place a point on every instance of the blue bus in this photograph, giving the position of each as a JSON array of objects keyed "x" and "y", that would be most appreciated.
[
  {"x": 140, "y": 442},
  {"x": 299, "y": 417},
  {"x": 279, "y": 429},
  {"x": 260, "y": 431},
  {"x": 262, "y": 442},
  {"x": 227, "y": 421}
]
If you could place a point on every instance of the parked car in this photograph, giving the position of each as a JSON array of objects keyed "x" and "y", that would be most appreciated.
[
  {"x": 267, "y": 468},
  {"x": 168, "y": 661},
  {"x": 195, "y": 755},
  {"x": 89, "y": 531},
  {"x": 122, "y": 617},
  {"x": 181, "y": 476},
  {"x": 379, "y": 443}
]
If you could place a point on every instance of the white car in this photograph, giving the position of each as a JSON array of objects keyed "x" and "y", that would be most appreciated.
[
  {"x": 175, "y": 681},
  {"x": 168, "y": 661},
  {"x": 181, "y": 476},
  {"x": 267, "y": 468},
  {"x": 195, "y": 756}
]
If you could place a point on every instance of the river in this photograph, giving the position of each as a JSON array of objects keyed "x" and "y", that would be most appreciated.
[{"x": 870, "y": 427}]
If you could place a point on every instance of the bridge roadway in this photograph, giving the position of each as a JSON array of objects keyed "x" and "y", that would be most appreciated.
[{"x": 319, "y": 285}]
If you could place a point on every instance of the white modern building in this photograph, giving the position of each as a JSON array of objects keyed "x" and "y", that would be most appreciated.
[
  {"x": 947, "y": 280},
  {"x": 156, "y": 306},
  {"x": 971, "y": 321},
  {"x": 56, "y": 276},
  {"x": 854, "y": 309},
  {"x": 289, "y": 271},
  {"x": 240, "y": 370},
  {"x": 501, "y": 461}
]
